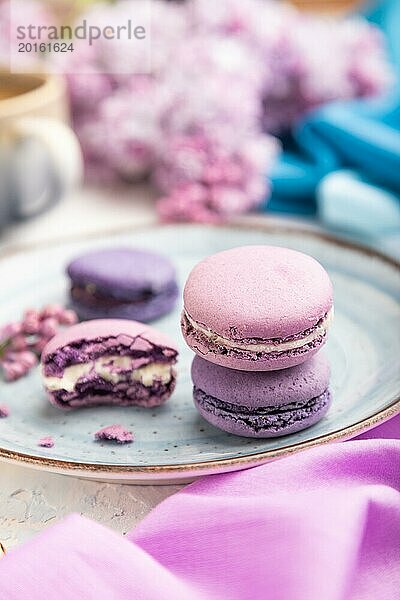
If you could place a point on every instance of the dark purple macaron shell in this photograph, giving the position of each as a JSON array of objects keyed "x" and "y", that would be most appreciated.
[
  {"x": 262, "y": 404},
  {"x": 138, "y": 347},
  {"x": 122, "y": 283}
]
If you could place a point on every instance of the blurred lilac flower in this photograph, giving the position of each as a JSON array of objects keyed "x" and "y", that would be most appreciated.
[
  {"x": 214, "y": 157},
  {"x": 308, "y": 59},
  {"x": 22, "y": 342},
  {"x": 24, "y": 13},
  {"x": 224, "y": 76},
  {"x": 213, "y": 84},
  {"x": 206, "y": 180},
  {"x": 223, "y": 73},
  {"x": 125, "y": 131},
  {"x": 4, "y": 411}
]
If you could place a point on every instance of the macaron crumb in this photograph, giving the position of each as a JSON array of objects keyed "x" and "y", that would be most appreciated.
[
  {"x": 4, "y": 411},
  {"x": 115, "y": 433},
  {"x": 46, "y": 442}
]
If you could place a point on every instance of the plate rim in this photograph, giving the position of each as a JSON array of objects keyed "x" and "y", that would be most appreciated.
[
  {"x": 200, "y": 467},
  {"x": 192, "y": 468}
]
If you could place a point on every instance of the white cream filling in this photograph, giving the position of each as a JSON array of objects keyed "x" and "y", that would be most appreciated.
[
  {"x": 108, "y": 368},
  {"x": 267, "y": 348},
  {"x": 146, "y": 375}
]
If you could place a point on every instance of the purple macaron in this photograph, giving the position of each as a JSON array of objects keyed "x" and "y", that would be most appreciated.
[
  {"x": 109, "y": 361},
  {"x": 262, "y": 404},
  {"x": 122, "y": 283},
  {"x": 257, "y": 308}
]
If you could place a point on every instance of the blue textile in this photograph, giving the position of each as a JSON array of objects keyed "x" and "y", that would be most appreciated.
[{"x": 361, "y": 135}]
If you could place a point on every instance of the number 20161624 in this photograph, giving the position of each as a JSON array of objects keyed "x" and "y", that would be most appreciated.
[{"x": 45, "y": 47}]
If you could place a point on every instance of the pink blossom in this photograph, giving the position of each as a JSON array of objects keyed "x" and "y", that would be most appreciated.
[
  {"x": 51, "y": 310},
  {"x": 48, "y": 327},
  {"x": 8, "y": 331},
  {"x": 68, "y": 317},
  {"x": 18, "y": 342},
  {"x": 27, "y": 358},
  {"x": 207, "y": 183},
  {"x": 32, "y": 313},
  {"x": 4, "y": 411},
  {"x": 13, "y": 370},
  {"x": 30, "y": 325},
  {"x": 22, "y": 343}
]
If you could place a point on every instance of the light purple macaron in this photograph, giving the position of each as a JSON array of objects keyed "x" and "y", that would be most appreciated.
[
  {"x": 262, "y": 404},
  {"x": 257, "y": 308},
  {"x": 109, "y": 361},
  {"x": 122, "y": 283}
]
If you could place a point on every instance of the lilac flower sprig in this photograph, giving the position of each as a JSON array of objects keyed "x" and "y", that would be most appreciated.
[
  {"x": 205, "y": 180},
  {"x": 22, "y": 342}
]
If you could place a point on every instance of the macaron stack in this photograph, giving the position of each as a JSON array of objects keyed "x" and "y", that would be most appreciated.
[{"x": 257, "y": 316}]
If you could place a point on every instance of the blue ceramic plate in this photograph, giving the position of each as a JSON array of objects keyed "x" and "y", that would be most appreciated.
[{"x": 173, "y": 442}]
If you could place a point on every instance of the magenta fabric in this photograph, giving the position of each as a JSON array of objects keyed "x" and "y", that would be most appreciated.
[{"x": 323, "y": 524}]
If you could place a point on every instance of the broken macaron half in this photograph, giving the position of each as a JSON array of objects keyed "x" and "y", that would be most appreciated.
[{"x": 109, "y": 361}]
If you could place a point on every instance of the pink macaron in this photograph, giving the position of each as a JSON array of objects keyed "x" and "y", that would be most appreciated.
[
  {"x": 257, "y": 308},
  {"x": 109, "y": 361}
]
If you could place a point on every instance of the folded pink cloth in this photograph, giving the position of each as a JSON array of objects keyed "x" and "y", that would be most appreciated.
[{"x": 323, "y": 524}]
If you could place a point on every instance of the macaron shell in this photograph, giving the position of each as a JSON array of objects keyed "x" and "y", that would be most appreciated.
[
  {"x": 95, "y": 400},
  {"x": 145, "y": 311},
  {"x": 126, "y": 271},
  {"x": 263, "y": 389},
  {"x": 273, "y": 426},
  {"x": 258, "y": 292},
  {"x": 104, "y": 328}
]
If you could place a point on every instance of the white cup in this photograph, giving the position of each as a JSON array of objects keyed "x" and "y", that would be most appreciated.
[{"x": 40, "y": 156}]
